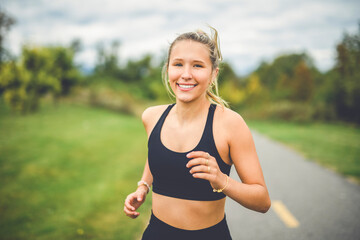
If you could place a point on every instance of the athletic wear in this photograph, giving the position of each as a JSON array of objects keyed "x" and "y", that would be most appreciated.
[
  {"x": 159, "y": 230},
  {"x": 171, "y": 177}
]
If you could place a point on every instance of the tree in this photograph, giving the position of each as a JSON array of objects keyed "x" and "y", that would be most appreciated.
[
  {"x": 39, "y": 71},
  {"x": 287, "y": 76},
  {"x": 303, "y": 83},
  {"x": 6, "y": 23},
  {"x": 107, "y": 60},
  {"x": 347, "y": 82}
]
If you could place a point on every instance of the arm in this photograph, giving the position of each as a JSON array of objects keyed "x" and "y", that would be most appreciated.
[
  {"x": 251, "y": 192},
  {"x": 134, "y": 200}
]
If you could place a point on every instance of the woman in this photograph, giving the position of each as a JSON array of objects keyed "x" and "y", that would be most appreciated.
[{"x": 191, "y": 147}]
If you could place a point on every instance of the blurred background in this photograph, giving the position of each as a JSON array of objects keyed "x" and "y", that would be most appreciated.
[{"x": 75, "y": 77}]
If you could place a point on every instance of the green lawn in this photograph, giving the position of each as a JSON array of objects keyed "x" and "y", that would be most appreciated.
[
  {"x": 65, "y": 172},
  {"x": 336, "y": 146}
]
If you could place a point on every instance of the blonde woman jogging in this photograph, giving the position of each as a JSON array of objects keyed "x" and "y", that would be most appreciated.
[{"x": 192, "y": 145}]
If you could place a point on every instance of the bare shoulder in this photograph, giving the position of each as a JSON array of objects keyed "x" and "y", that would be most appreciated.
[
  {"x": 232, "y": 122},
  {"x": 151, "y": 115}
]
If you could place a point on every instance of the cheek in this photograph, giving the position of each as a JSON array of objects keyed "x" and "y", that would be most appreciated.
[
  {"x": 173, "y": 75},
  {"x": 205, "y": 77}
]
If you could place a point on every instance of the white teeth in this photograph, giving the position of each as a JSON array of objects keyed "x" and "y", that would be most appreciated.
[{"x": 186, "y": 86}]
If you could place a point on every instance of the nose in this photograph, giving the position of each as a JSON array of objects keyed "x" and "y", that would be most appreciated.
[{"x": 186, "y": 74}]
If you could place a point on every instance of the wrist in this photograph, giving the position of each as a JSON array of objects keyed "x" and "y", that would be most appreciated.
[
  {"x": 224, "y": 185},
  {"x": 142, "y": 188},
  {"x": 144, "y": 185}
]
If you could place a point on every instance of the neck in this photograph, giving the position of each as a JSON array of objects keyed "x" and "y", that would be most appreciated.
[{"x": 186, "y": 112}]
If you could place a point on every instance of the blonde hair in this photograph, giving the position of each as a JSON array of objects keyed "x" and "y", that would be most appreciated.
[{"x": 213, "y": 44}]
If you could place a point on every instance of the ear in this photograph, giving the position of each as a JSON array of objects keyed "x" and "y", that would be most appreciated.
[{"x": 214, "y": 74}]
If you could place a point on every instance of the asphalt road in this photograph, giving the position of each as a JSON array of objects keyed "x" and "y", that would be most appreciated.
[{"x": 323, "y": 204}]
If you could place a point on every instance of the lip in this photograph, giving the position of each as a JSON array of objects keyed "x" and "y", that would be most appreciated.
[{"x": 185, "y": 89}]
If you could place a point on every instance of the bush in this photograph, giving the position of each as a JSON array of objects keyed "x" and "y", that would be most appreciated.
[{"x": 40, "y": 71}]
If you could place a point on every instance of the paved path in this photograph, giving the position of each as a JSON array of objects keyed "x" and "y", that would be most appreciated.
[{"x": 324, "y": 204}]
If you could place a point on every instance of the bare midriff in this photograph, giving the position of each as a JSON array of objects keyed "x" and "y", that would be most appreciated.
[{"x": 187, "y": 214}]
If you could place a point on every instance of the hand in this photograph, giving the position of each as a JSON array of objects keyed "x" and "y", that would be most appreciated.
[
  {"x": 134, "y": 200},
  {"x": 204, "y": 166}
]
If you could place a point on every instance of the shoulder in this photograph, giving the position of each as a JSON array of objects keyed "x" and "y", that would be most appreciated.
[
  {"x": 151, "y": 115},
  {"x": 229, "y": 117},
  {"x": 232, "y": 123}
]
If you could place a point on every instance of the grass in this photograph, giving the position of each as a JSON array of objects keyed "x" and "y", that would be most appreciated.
[
  {"x": 335, "y": 146},
  {"x": 66, "y": 171}
]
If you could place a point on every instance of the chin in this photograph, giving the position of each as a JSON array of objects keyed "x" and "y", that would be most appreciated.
[{"x": 185, "y": 100}]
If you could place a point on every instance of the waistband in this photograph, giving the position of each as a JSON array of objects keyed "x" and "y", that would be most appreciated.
[
  {"x": 161, "y": 230},
  {"x": 155, "y": 220}
]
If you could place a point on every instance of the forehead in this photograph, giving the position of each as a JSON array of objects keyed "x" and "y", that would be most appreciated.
[{"x": 190, "y": 49}]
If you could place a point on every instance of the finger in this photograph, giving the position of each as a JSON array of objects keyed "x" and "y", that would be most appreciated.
[
  {"x": 141, "y": 196},
  {"x": 201, "y": 175},
  {"x": 197, "y": 154},
  {"x": 129, "y": 205},
  {"x": 198, "y": 161},
  {"x": 200, "y": 169},
  {"x": 130, "y": 213}
]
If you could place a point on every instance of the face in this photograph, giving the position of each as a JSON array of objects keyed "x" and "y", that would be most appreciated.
[{"x": 190, "y": 70}]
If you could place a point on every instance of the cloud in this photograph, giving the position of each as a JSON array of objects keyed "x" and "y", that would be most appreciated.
[{"x": 249, "y": 30}]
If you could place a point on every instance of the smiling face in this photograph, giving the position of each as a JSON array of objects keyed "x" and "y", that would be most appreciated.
[{"x": 190, "y": 70}]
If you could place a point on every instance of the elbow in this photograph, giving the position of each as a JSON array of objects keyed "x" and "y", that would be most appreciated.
[
  {"x": 266, "y": 203},
  {"x": 262, "y": 207},
  {"x": 266, "y": 206}
]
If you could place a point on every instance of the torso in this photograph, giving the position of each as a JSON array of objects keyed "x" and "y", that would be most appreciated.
[{"x": 177, "y": 212}]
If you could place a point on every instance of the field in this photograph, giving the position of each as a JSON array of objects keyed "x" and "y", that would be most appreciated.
[{"x": 66, "y": 171}]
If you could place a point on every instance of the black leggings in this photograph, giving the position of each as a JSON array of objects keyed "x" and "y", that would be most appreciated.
[{"x": 159, "y": 230}]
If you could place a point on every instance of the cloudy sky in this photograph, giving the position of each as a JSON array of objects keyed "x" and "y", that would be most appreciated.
[{"x": 250, "y": 31}]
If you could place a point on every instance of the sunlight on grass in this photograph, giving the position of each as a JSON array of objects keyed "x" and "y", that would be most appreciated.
[{"x": 66, "y": 171}]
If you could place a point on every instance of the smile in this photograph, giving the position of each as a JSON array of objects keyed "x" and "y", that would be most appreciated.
[{"x": 187, "y": 87}]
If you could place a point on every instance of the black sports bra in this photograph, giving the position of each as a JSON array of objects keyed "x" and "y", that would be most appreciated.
[{"x": 171, "y": 177}]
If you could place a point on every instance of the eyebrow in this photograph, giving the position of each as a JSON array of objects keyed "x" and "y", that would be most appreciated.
[{"x": 181, "y": 59}]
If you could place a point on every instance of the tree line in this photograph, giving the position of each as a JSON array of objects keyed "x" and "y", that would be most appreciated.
[{"x": 289, "y": 87}]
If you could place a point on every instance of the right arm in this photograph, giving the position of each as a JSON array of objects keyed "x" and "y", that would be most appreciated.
[{"x": 134, "y": 200}]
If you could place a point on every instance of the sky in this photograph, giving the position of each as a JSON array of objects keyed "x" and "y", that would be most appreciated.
[{"x": 250, "y": 31}]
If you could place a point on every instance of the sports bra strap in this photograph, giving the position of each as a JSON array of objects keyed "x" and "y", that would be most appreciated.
[{"x": 210, "y": 119}]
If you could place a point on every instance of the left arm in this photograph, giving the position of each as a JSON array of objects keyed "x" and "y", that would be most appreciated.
[{"x": 252, "y": 192}]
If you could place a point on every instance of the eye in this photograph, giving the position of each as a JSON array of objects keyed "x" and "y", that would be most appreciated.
[
  {"x": 198, "y": 66},
  {"x": 177, "y": 64}
]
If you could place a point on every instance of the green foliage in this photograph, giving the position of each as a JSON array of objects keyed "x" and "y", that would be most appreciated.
[
  {"x": 288, "y": 77},
  {"x": 6, "y": 22},
  {"x": 226, "y": 73},
  {"x": 23, "y": 88},
  {"x": 303, "y": 83},
  {"x": 232, "y": 92},
  {"x": 347, "y": 78},
  {"x": 39, "y": 71},
  {"x": 140, "y": 77},
  {"x": 107, "y": 59}
]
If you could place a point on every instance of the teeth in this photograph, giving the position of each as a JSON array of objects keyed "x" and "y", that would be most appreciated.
[{"x": 186, "y": 86}]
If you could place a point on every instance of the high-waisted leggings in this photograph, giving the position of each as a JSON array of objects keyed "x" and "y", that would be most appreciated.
[{"x": 159, "y": 230}]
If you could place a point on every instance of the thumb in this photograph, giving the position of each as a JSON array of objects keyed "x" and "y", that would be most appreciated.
[{"x": 141, "y": 196}]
